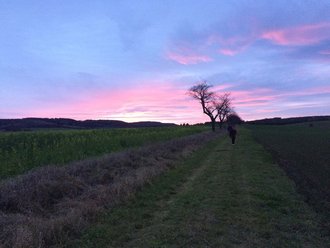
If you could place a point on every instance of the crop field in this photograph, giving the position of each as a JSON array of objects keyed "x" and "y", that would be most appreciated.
[
  {"x": 49, "y": 204},
  {"x": 192, "y": 191},
  {"x": 22, "y": 151},
  {"x": 221, "y": 196},
  {"x": 303, "y": 151}
]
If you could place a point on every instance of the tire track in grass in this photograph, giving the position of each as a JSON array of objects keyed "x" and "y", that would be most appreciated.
[
  {"x": 237, "y": 198},
  {"x": 164, "y": 211},
  {"x": 118, "y": 226},
  {"x": 228, "y": 196}
]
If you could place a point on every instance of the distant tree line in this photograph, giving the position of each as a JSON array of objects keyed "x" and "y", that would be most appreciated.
[
  {"x": 27, "y": 124},
  {"x": 292, "y": 120}
]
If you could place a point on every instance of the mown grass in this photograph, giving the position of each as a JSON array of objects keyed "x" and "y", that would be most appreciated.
[
  {"x": 222, "y": 196},
  {"x": 303, "y": 151},
  {"x": 47, "y": 205},
  {"x": 117, "y": 226},
  {"x": 22, "y": 151}
]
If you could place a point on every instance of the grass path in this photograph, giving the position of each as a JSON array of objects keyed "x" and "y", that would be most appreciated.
[{"x": 223, "y": 196}]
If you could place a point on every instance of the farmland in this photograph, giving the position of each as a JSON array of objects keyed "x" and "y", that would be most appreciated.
[
  {"x": 193, "y": 191},
  {"x": 221, "y": 196},
  {"x": 303, "y": 151},
  {"x": 47, "y": 205},
  {"x": 23, "y": 151}
]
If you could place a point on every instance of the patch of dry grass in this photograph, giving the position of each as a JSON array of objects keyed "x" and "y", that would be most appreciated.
[{"x": 46, "y": 206}]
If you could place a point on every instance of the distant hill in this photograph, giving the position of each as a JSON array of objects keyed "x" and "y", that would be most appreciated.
[
  {"x": 292, "y": 120},
  {"x": 26, "y": 124}
]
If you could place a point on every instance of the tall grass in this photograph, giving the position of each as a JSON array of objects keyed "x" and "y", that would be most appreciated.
[
  {"x": 22, "y": 151},
  {"x": 47, "y": 205}
]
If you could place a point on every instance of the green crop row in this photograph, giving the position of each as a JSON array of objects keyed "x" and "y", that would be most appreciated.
[{"x": 23, "y": 151}]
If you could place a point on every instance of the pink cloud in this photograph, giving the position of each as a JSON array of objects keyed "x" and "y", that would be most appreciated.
[
  {"x": 301, "y": 35},
  {"x": 228, "y": 52},
  {"x": 325, "y": 52},
  {"x": 254, "y": 103},
  {"x": 188, "y": 58},
  {"x": 168, "y": 102},
  {"x": 293, "y": 36},
  {"x": 220, "y": 88},
  {"x": 320, "y": 90},
  {"x": 264, "y": 103},
  {"x": 256, "y": 97},
  {"x": 165, "y": 102},
  {"x": 233, "y": 41},
  {"x": 312, "y": 91},
  {"x": 268, "y": 97},
  {"x": 230, "y": 46}
]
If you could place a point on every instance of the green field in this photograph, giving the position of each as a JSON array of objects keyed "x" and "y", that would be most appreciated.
[
  {"x": 303, "y": 151},
  {"x": 222, "y": 196},
  {"x": 22, "y": 151},
  {"x": 270, "y": 193}
]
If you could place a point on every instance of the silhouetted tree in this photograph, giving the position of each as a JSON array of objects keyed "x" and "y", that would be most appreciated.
[
  {"x": 201, "y": 92},
  {"x": 234, "y": 119},
  {"x": 223, "y": 106}
]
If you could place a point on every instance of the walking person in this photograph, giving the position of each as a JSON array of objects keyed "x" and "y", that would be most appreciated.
[{"x": 232, "y": 134}]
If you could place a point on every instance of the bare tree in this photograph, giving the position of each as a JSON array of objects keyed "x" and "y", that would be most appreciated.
[
  {"x": 201, "y": 92},
  {"x": 223, "y": 107},
  {"x": 233, "y": 118}
]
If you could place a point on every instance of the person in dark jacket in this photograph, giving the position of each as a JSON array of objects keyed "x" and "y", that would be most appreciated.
[{"x": 232, "y": 134}]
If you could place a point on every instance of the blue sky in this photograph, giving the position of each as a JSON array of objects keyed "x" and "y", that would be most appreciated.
[{"x": 135, "y": 60}]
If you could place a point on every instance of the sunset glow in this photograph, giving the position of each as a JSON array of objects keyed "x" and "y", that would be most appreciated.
[
  {"x": 135, "y": 60},
  {"x": 301, "y": 35}
]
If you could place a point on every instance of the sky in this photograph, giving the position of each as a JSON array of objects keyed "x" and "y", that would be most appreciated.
[{"x": 135, "y": 60}]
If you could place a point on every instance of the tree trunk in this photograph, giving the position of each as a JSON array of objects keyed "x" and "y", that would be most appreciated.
[{"x": 213, "y": 124}]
